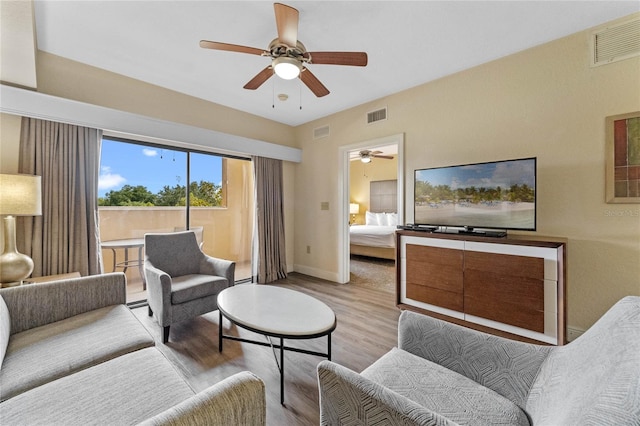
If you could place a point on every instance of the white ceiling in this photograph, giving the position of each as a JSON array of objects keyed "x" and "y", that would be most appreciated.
[{"x": 408, "y": 43}]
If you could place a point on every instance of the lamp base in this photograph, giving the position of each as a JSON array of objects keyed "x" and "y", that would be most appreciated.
[{"x": 14, "y": 266}]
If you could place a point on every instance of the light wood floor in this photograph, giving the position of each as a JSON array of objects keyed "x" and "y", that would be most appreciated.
[{"x": 367, "y": 329}]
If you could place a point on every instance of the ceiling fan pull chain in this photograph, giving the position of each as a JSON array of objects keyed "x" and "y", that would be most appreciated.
[
  {"x": 300, "y": 88},
  {"x": 273, "y": 95}
]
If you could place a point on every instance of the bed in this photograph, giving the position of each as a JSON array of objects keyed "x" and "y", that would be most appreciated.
[{"x": 376, "y": 238}]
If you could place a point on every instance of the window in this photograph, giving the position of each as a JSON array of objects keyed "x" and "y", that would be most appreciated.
[{"x": 143, "y": 188}]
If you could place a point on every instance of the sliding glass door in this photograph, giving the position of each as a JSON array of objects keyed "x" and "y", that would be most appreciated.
[
  {"x": 143, "y": 188},
  {"x": 221, "y": 208}
]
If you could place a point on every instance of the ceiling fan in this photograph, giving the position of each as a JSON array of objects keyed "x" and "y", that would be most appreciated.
[
  {"x": 289, "y": 57},
  {"x": 366, "y": 156}
]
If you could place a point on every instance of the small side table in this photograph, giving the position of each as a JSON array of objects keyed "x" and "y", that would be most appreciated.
[{"x": 127, "y": 244}]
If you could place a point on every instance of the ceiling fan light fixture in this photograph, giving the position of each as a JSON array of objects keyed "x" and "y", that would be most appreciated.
[
  {"x": 287, "y": 68},
  {"x": 365, "y": 157}
]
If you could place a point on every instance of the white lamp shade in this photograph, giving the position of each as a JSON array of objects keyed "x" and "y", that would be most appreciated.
[
  {"x": 20, "y": 195},
  {"x": 354, "y": 208}
]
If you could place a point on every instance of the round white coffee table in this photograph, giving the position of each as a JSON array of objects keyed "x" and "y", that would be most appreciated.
[{"x": 276, "y": 312}]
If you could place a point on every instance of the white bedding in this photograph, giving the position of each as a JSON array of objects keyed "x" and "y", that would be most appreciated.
[{"x": 373, "y": 235}]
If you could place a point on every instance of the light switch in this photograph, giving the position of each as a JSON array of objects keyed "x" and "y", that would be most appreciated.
[{"x": 324, "y": 205}]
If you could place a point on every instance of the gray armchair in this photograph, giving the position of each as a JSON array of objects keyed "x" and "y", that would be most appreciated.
[
  {"x": 444, "y": 374},
  {"x": 182, "y": 281}
]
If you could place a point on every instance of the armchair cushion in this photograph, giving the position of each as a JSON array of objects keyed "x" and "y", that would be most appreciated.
[
  {"x": 195, "y": 286},
  {"x": 443, "y": 391}
]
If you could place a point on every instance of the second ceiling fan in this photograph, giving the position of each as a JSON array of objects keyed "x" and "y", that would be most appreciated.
[
  {"x": 289, "y": 57},
  {"x": 366, "y": 155}
]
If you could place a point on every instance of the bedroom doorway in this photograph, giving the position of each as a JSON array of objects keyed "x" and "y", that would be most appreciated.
[{"x": 372, "y": 200}]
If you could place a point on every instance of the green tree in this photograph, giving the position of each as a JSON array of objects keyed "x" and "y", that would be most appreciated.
[
  {"x": 201, "y": 194},
  {"x": 205, "y": 193},
  {"x": 168, "y": 196},
  {"x": 128, "y": 196}
]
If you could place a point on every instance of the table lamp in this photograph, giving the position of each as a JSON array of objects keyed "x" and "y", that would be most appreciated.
[
  {"x": 20, "y": 195},
  {"x": 354, "y": 209}
]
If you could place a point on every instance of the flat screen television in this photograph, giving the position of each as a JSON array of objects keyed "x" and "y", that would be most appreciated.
[{"x": 493, "y": 195}]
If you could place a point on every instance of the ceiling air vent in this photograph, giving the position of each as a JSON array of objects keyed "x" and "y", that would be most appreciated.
[
  {"x": 615, "y": 43},
  {"x": 321, "y": 132},
  {"x": 377, "y": 115}
]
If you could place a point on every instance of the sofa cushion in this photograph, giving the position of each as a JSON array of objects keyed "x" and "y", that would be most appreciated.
[
  {"x": 195, "y": 286},
  {"x": 124, "y": 390},
  {"x": 443, "y": 391},
  {"x": 48, "y": 352},
  {"x": 5, "y": 329}
]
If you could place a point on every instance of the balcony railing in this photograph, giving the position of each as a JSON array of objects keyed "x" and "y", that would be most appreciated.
[{"x": 226, "y": 234}]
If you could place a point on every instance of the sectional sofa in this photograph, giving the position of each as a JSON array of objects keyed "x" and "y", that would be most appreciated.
[{"x": 72, "y": 352}]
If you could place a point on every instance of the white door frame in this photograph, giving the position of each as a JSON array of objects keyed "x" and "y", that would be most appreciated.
[{"x": 343, "y": 194}]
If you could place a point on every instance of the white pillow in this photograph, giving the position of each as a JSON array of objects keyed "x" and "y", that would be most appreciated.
[
  {"x": 370, "y": 218},
  {"x": 381, "y": 219},
  {"x": 392, "y": 219}
]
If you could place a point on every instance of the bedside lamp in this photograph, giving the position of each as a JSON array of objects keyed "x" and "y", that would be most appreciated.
[
  {"x": 354, "y": 209},
  {"x": 20, "y": 195}
]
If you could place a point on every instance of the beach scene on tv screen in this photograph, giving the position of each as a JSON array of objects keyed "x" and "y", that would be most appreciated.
[{"x": 492, "y": 195}]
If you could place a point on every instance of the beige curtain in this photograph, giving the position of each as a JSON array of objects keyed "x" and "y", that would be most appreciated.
[
  {"x": 66, "y": 237},
  {"x": 270, "y": 262}
]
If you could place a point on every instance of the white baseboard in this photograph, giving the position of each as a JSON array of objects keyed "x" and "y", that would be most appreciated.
[
  {"x": 573, "y": 333},
  {"x": 318, "y": 273}
]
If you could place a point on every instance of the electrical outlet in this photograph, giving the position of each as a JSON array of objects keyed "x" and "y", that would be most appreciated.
[
  {"x": 324, "y": 205},
  {"x": 308, "y": 249}
]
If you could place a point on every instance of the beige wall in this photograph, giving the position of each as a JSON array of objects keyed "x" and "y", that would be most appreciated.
[
  {"x": 360, "y": 177},
  {"x": 9, "y": 143},
  {"x": 545, "y": 102}
]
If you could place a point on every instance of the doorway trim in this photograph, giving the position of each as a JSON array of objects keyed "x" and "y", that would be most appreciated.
[{"x": 344, "y": 179}]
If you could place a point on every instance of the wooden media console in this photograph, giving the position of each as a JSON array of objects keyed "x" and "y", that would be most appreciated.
[{"x": 512, "y": 287}]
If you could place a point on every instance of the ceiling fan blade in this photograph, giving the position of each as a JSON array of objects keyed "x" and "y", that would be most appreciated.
[
  {"x": 206, "y": 44},
  {"x": 313, "y": 83},
  {"x": 357, "y": 59},
  {"x": 388, "y": 157},
  {"x": 260, "y": 78},
  {"x": 287, "y": 23}
]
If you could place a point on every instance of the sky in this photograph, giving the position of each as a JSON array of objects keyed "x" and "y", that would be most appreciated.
[
  {"x": 503, "y": 174},
  {"x": 124, "y": 163}
]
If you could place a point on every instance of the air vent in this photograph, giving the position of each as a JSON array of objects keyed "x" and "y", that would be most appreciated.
[
  {"x": 377, "y": 115},
  {"x": 321, "y": 132},
  {"x": 616, "y": 43}
]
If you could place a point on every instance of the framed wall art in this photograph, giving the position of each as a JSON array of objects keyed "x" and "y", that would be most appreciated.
[{"x": 623, "y": 158}]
